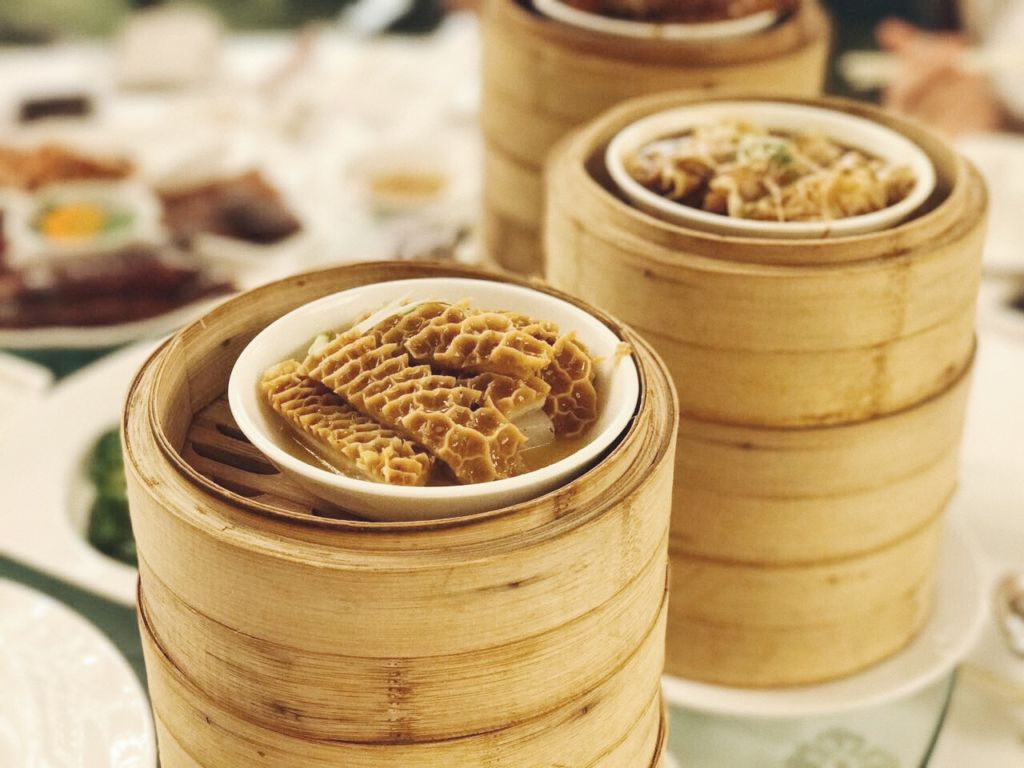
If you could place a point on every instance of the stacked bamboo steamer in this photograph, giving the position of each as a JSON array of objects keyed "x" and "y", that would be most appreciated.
[
  {"x": 276, "y": 635},
  {"x": 822, "y": 385},
  {"x": 542, "y": 78}
]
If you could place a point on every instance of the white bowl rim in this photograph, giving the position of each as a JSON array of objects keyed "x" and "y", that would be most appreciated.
[
  {"x": 676, "y": 30},
  {"x": 637, "y": 134},
  {"x": 599, "y": 443}
]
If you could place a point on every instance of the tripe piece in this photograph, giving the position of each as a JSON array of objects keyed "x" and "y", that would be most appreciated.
[
  {"x": 513, "y": 397},
  {"x": 452, "y": 421},
  {"x": 572, "y": 404},
  {"x": 464, "y": 339},
  {"x": 345, "y": 438}
]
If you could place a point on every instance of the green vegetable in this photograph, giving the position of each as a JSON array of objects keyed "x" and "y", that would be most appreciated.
[
  {"x": 110, "y": 527},
  {"x": 781, "y": 155}
]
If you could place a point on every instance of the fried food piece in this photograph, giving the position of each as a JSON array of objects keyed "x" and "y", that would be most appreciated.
[{"x": 30, "y": 169}]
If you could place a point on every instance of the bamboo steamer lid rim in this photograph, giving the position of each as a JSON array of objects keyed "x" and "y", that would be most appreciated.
[
  {"x": 933, "y": 400},
  {"x": 579, "y": 157},
  {"x": 798, "y": 29},
  {"x": 652, "y": 374}
]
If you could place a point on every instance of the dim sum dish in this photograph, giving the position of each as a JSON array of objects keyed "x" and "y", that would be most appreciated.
[
  {"x": 94, "y": 292},
  {"x": 419, "y": 399},
  {"x": 244, "y": 207},
  {"x": 70, "y": 219},
  {"x": 669, "y": 19},
  {"x": 776, "y": 170}
]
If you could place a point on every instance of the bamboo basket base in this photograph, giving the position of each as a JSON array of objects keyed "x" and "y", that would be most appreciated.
[
  {"x": 173, "y": 755},
  {"x": 199, "y": 731}
]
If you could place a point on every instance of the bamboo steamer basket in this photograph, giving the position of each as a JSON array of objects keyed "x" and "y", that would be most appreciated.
[
  {"x": 543, "y": 78},
  {"x": 770, "y": 497},
  {"x": 804, "y": 555},
  {"x": 823, "y": 386},
  {"x": 333, "y": 641},
  {"x": 778, "y": 333}
]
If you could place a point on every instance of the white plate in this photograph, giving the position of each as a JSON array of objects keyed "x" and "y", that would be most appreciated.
[
  {"x": 44, "y": 503},
  {"x": 848, "y": 130},
  {"x": 104, "y": 336},
  {"x": 69, "y": 700},
  {"x": 960, "y": 609},
  {"x": 708, "y": 30}
]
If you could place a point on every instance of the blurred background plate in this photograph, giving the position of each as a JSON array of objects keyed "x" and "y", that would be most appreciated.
[
  {"x": 70, "y": 700},
  {"x": 47, "y": 500},
  {"x": 104, "y": 336}
]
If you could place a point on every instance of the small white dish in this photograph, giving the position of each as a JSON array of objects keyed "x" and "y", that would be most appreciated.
[
  {"x": 70, "y": 698},
  {"x": 848, "y": 130},
  {"x": 404, "y": 178},
  {"x": 618, "y": 387},
  {"x": 708, "y": 30},
  {"x": 44, "y": 505},
  {"x": 960, "y": 609},
  {"x": 133, "y": 201}
]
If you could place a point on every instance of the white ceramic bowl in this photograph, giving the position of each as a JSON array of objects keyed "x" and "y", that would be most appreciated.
[
  {"x": 709, "y": 30},
  {"x": 848, "y": 130},
  {"x": 618, "y": 387}
]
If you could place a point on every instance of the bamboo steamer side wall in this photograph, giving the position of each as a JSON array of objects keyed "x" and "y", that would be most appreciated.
[
  {"x": 850, "y": 330},
  {"x": 337, "y": 696},
  {"x": 463, "y": 635},
  {"x": 786, "y": 497},
  {"x": 543, "y": 78},
  {"x": 752, "y": 625},
  {"x": 618, "y": 725}
]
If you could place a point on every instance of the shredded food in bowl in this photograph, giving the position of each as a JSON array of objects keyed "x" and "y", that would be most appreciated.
[
  {"x": 681, "y": 11},
  {"x": 744, "y": 171}
]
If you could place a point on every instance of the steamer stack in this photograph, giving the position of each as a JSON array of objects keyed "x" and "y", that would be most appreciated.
[
  {"x": 280, "y": 634},
  {"x": 822, "y": 387},
  {"x": 542, "y": 78}
]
